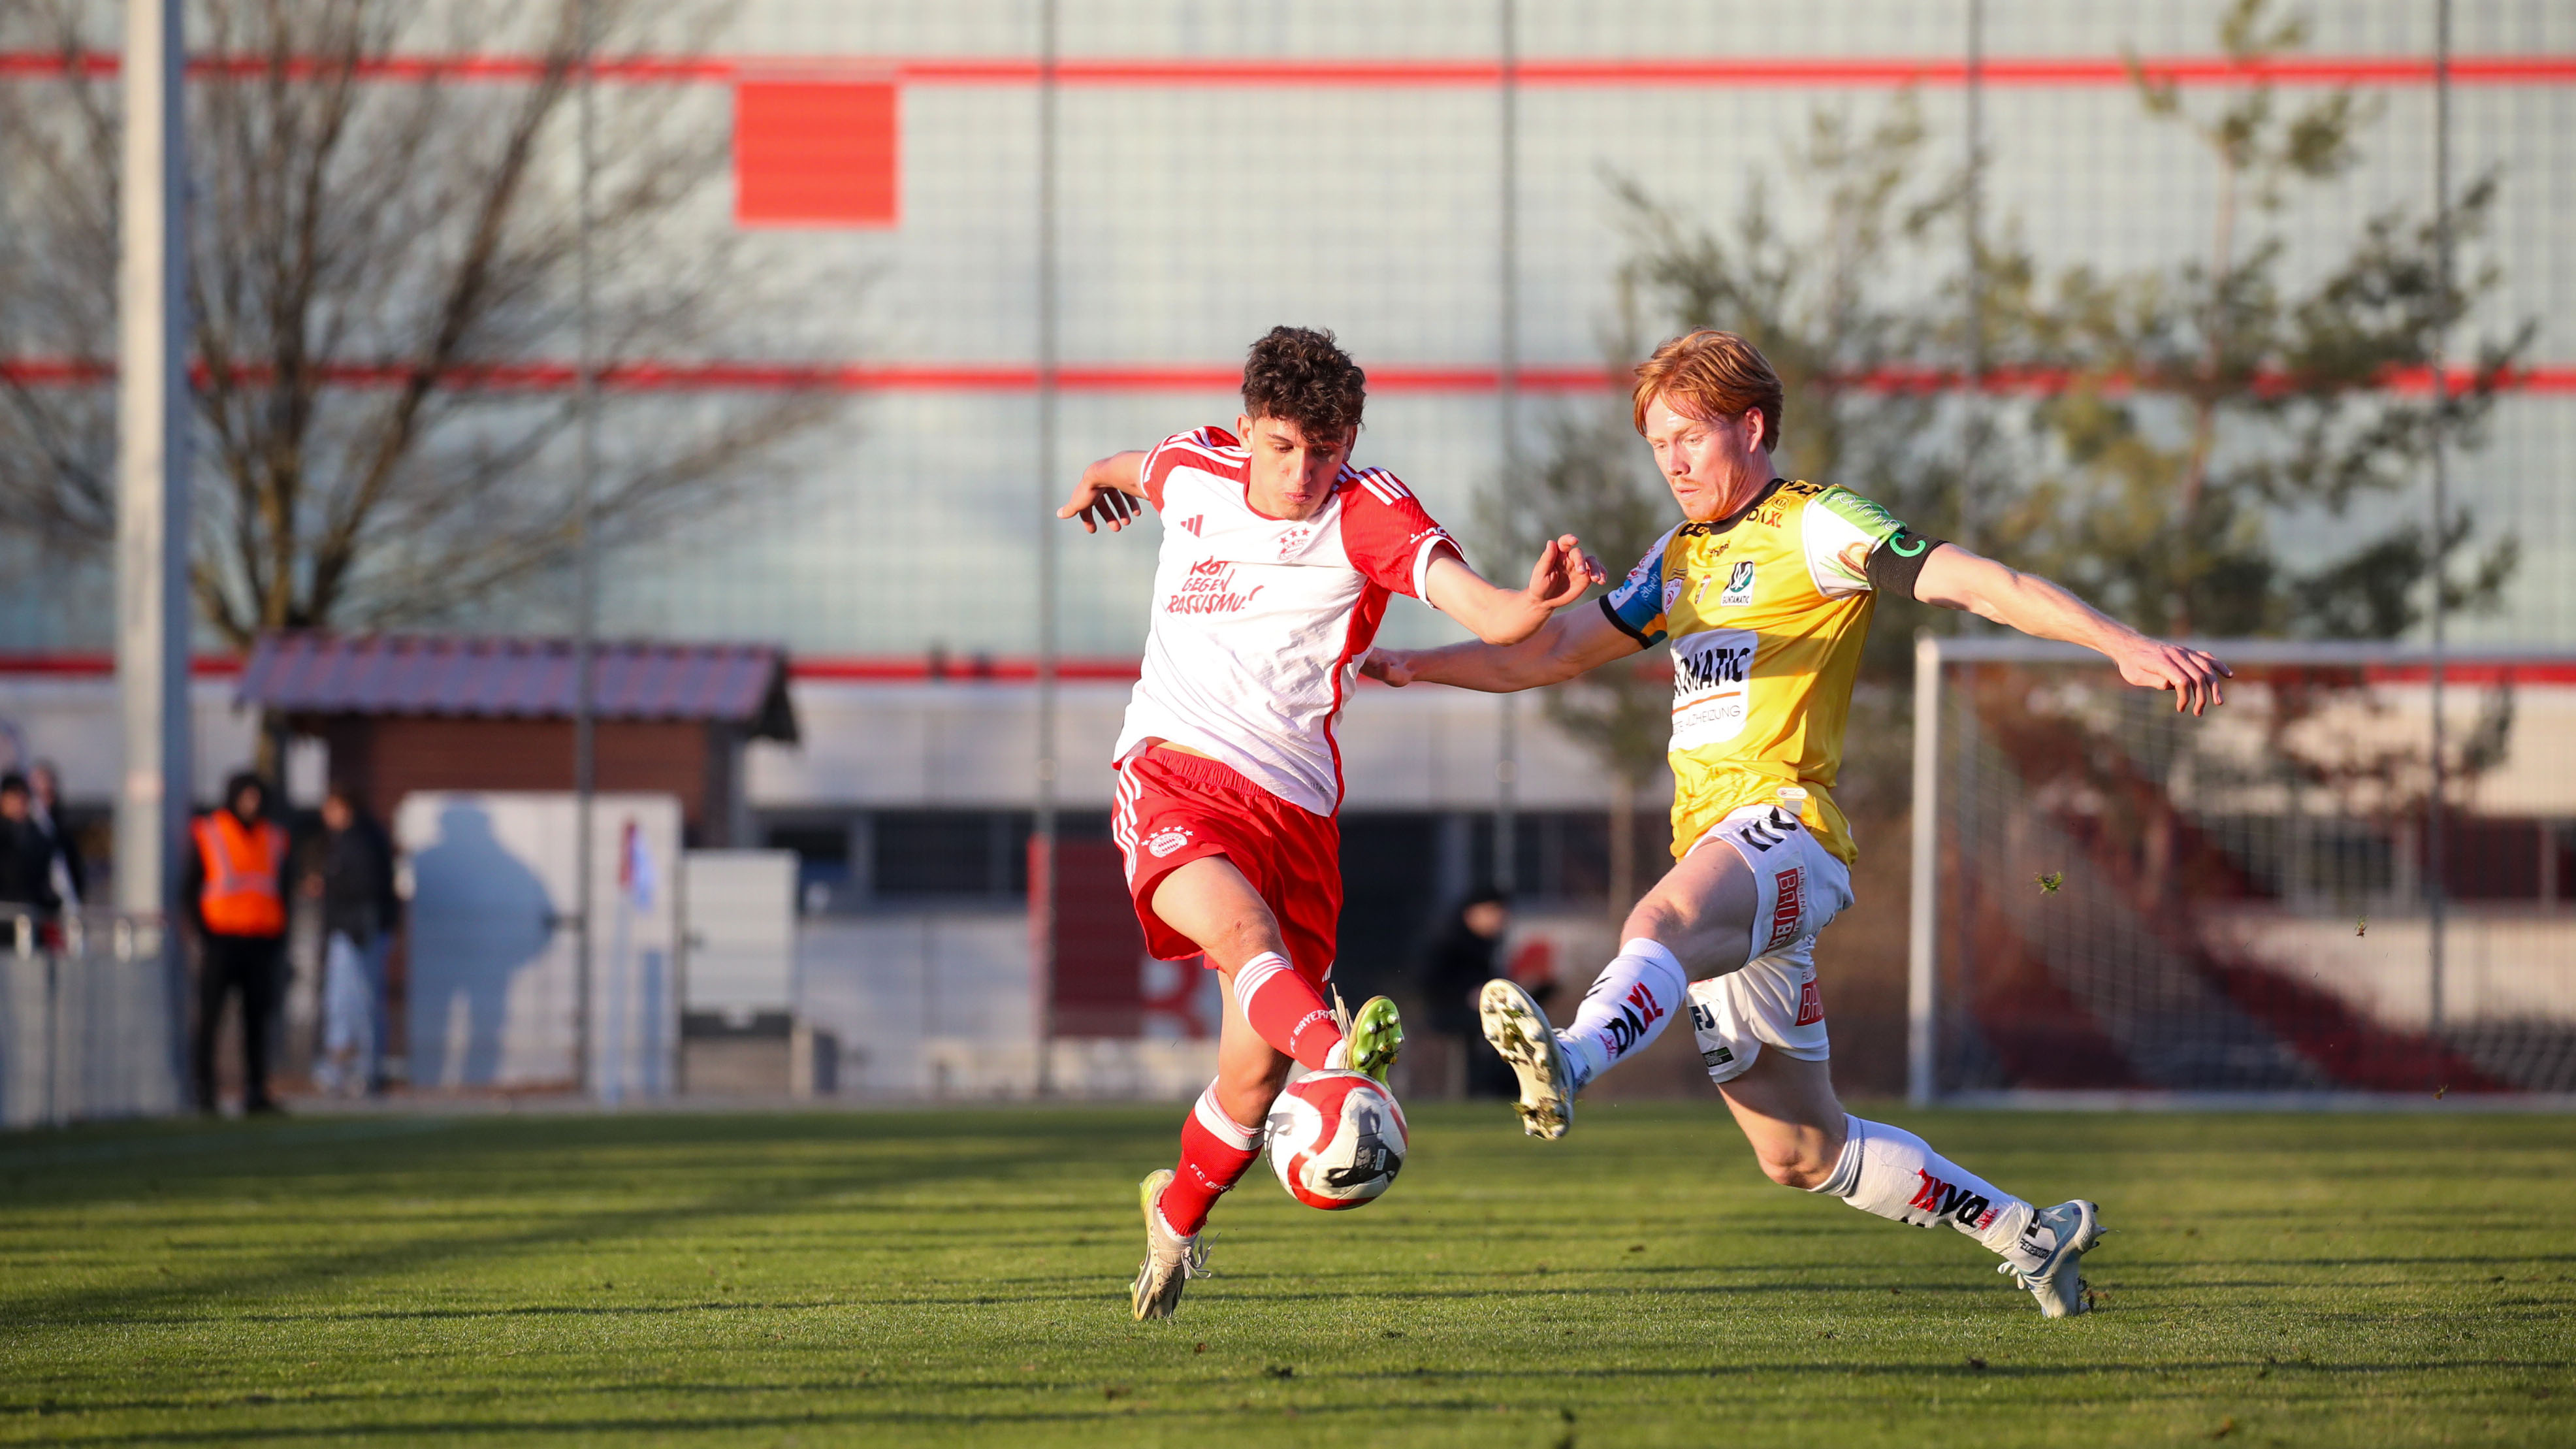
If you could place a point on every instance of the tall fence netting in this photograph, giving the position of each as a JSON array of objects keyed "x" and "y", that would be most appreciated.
[{"x": 2135, "y": 900}]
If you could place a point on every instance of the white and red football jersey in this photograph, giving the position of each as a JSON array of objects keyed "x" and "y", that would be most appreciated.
[{"x": 1259, "y": 622}]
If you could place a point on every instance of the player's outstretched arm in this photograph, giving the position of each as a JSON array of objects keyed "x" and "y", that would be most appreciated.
[
  {"x": 1499, "y": 615},
  {"x": 1957, "y": 579},
  {"x": 1112, "y": 491},
  {"x": 1564, "y": 647}
]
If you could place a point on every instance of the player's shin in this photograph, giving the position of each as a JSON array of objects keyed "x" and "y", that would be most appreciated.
[
  {"x": 1629, "y": 1005},
  {"x": 1216, "y": 1151},
  {"x": 1287, "y": 1011},
  {"x": 1895, "y": 1174}
]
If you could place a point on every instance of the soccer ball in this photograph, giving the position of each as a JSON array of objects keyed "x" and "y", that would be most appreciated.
[{"x": 1336, "y": 1140}]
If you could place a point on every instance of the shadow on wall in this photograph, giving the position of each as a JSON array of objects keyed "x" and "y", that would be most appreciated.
[{"x": 480, "y": 918}]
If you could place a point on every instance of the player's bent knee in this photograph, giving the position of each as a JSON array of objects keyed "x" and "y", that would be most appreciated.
[
  {"x": 1239, "y": 940},
  {"x": 1799, "y": 1171}
]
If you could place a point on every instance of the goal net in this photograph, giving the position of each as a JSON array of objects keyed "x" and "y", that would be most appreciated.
[{"x": 2113, "y": 898}]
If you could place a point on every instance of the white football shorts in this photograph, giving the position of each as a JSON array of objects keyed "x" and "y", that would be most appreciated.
[{"x": 1773, "y": 1002}]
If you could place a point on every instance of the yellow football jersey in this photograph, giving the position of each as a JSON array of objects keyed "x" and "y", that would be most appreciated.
[{"x": 1766, "y": 611}]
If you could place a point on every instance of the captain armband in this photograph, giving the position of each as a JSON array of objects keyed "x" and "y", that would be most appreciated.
[{"x": 1898, "y": 561}]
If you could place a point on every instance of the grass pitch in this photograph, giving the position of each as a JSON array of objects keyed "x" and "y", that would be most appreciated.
[{"x": 960, "y": 1276}]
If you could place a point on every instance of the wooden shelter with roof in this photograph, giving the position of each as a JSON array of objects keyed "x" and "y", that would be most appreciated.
[{"x": 401, "y": 713}]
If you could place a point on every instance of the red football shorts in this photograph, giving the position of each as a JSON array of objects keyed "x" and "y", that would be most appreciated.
[{"x": 1173, "y": 808}]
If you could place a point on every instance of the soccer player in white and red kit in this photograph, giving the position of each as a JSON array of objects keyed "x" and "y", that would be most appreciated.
[{"x": 1278, "y": 561}]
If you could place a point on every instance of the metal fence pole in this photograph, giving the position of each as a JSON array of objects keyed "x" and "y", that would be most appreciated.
[
  {"x": 1922, "y": 910},
  {"x": 153, "y": 614},
  {"x": 1042, "y": 883},
  {"x": 1507, "y": 415},
  {"x": 2436, "y": 869},
  {"x": 1973, "y": 370},
  {"x": 585, "y": 751}
]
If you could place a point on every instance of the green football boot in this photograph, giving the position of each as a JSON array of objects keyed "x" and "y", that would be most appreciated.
[{"x": 1376, "y": 1035}]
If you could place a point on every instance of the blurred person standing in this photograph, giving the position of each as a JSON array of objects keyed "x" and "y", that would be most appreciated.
[
  {"x": 352, "y": 876},
  {"x": 26, "y": 854},
  {"x": 1461, "y": 959},
  {"x": 45, "y": 784},
  {"x": 234, "y": 897}
]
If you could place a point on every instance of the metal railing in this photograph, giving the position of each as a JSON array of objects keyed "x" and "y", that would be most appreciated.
[{"x": 87, "y": 1017}]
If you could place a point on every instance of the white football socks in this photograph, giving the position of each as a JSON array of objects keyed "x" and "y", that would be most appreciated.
[
  {"x": 1630, "y": 1003},
  {"x": 1895, "y": 1174}
]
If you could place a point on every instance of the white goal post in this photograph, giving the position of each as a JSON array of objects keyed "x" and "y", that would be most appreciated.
[{"x": 2113, "y": 904}]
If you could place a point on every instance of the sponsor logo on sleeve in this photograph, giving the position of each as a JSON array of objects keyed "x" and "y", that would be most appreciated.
[
  {"x": 1788, "y": 904},
  {"x": 1672, "y": 592},
  {"x": 1739, "y": 586},
  {"x": 1712, "y": 671},
  {"x": 1630, "y": 586}
]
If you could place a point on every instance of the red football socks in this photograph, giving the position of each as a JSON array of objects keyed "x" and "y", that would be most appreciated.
[
  {"x": 1216, "y": 1151},
  {"x": 1287, "y": 1010}
]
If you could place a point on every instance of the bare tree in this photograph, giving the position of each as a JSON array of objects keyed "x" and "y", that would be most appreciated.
[
  {"x": 2181, "y": 424},
  {"x": 383, "y": 249},
  {"x": 2210, "y": 408}
]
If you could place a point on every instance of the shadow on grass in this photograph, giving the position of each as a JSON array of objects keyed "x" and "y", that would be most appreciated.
[
  {"x": 1528, "y": 1391},
  {"x": 1034, "y": 1150}
]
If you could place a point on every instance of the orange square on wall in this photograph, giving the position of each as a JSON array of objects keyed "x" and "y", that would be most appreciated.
[{"x": 816, "y": 154}]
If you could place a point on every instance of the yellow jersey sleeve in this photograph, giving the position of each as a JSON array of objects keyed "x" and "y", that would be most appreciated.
[
  {"x": 1639, "y": 606},
  {"x": 1842, "y": 530}
]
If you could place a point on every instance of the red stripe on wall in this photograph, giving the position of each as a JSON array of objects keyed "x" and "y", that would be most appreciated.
[
  {"x": 1559, "y": 73},
  {"x": 2470, "y": 669},
  {"x": 1125, "y": 377},
  {"x": 82, "y": 665},
  {"x": 856, "y": 669}
]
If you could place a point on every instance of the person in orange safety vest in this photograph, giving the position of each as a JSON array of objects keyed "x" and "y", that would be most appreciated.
[{"x": 235, "y": 896}]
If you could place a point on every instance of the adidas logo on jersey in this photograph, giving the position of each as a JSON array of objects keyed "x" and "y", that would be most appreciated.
[{"x": 1193, "y": 523}]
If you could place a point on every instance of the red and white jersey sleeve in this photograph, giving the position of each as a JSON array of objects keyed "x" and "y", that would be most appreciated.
[{"x": 1259, "y": 623}]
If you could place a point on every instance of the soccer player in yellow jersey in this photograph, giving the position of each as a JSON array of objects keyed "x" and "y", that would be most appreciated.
[{"x": 1764, "y": 591}]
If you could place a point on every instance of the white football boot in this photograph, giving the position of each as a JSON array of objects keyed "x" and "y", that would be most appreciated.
[
  {"x": 1520, "y": 1033},
  {"x": 2056, "y": 1281},
  {"x": 1170, "y": 1259}
]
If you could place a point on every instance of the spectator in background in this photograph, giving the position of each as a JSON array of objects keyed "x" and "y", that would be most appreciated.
[
  {"x": 1462, "y": 959},
  {"x": 353, "y": 878},
  {"x": 233, "y": 897},
  {"x": 45, "y": 785},
  {"x": 26, "y": 854}
]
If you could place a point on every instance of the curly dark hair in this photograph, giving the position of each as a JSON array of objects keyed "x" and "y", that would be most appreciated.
[{"x": 1299, "y": 375}]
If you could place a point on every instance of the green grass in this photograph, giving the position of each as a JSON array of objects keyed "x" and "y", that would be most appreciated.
[{"x": 960, "y": 1276}]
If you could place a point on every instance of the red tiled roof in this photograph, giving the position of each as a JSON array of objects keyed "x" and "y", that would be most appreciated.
[{"x": 436, "y": 674}]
